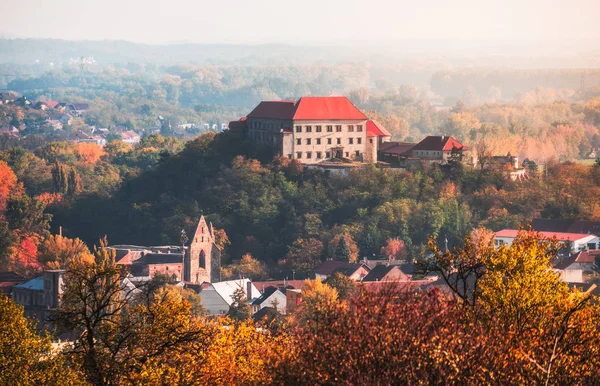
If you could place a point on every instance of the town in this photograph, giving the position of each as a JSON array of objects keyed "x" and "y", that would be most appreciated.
[{"x": 356, "y": 193}]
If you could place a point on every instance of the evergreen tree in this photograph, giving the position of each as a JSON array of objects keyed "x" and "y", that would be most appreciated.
[
  {"x": 240, "y": 309},
  {"x": 343, "y": 251},
  {"x": 74, "y": 183}
]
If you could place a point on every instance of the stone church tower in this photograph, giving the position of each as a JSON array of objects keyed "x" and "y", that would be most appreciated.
[{"x": 203, "y": 257}]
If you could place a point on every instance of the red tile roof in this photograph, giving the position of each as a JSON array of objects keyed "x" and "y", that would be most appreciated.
[
  {"x": 439, "y": 143},
  {"x": 398, "y": 148},
  {"x": 239, "y": 124},
  {"x": 327, "y": 108},
  {"x": 512, "y": 233},
  {"x": 376, "y": 129},
  {"x": 274, "y": 110}
]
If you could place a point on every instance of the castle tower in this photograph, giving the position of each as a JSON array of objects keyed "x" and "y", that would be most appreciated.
[{"x": 203, "y": 256}]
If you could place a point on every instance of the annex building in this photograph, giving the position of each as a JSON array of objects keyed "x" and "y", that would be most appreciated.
[{"x": 314, "y": 129}]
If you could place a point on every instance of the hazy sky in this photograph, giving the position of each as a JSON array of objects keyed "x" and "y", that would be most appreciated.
[{"x": 300, "y": 21}]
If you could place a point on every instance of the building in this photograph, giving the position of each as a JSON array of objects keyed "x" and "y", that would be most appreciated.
[
  {"x": 198, "y": 262},
  {"x": 270, "y": 297},
  {"x": 8, "y": 97},
  {"x": 433, "y": 149},
  {"x": 9, "y": 280},
  {"x": 314, "y": 129},
  {"x": 130, "y": 137},
  {"x": 386, "y": 273},
  {"x": 565, "y": 226},
  {"x": 41, "y": 295},
  {"x": 575, "y": 242},
  {"x": 217, "y": 297},
  {"x": 355, "y": 271}
]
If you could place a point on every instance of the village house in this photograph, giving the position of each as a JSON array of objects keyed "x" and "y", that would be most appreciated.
[
  {"x": 130, "y": 137},
  {"x": 7, "y": 97},
  {"x": 77, "y": 109},
  {"x": 355, "y": 271},
  {"x": 9, "y": 280},
  {"x": 270, "y": 297},
  {"x": 575, "y": 242},
  {"x": 217, "y": 297},
  {"x": 386, "y": 273},
  {"x": 314, "y": 129}
]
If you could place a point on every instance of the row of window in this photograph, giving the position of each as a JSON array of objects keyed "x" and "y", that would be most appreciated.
[
  {"x": 329, "y": 128},
  {"x": 265, "y": 125},
  {"x": 308, "y": 141},
  {"x": 319, "y": 154}
]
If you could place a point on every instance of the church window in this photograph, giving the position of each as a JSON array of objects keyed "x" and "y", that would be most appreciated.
[{"x": 202, "y": 259}]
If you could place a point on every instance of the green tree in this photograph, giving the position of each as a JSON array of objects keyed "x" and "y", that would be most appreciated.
[
  {"x": 239, "y": 309},
  {"x": 344, "y": 286}
]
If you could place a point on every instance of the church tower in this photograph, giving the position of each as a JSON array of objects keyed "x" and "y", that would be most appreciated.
[{"x": 203, "y": 258}]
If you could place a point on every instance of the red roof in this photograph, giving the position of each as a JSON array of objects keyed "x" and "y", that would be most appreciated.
[
  {"x": 239, "y": 124},
  {"x": 327, "y": 108},
  {"x": 512, "y": 233},
  {"x": 274, "y": 110},
  {"x": 376, "y": 129},
  {"x": 439, "y": 143},
  {"x": 398, "y": 148},
  {"x": 51, "y": 104}
]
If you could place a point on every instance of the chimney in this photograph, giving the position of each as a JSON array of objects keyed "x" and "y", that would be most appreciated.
[{"x": 249, "y": 290}]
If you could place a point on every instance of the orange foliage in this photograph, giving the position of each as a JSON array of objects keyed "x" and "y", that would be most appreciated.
[
  {"x": 88, "y": 152},
  {"x": 50, "y": 198},
  {"x": 24, "y": 259},
  {"x": 8, "y": 180}
]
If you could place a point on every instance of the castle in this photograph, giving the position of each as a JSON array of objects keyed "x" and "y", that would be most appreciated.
[
  {"x": 198, "y": 262},
  {"x": 314, "y": 129}
]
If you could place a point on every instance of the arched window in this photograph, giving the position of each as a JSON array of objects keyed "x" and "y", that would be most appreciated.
[{"x": 202, "y": 259}]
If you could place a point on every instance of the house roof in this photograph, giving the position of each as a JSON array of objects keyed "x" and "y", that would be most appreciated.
[
  {"x": 439, "y": 143},
  {"x": 274, "y": 110},
  {"x": 265, "y": 295},
  {"x": 79, "y": 106},
  {"x": 378, "y": 272},
  {"x": 399, "y": 148},
  {"x": 161, "y": 258},
  {"x": 36, "y": 284},
  {"x": 560, "y": 236},
  {"x": 328, "y": 267},
  {"x": 327, "y": 108},
  {"x": 10, "y": 277},
  {"x": 51, "y": 104},
  {"x": 376, "y": 129},
  {"x": 239, "y": 124},
  {"x": 129, "y": 134},
  {"x": 225, "y": 289},
  {"x": 281, "y": 284},
  {"x": 569, "y": 226}
]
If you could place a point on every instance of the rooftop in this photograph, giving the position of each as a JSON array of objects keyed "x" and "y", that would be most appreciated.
[
  {"x": 36, "y": 284},
  {"x": 439, "y": 143},
  {"x": 560, "y": 236}
]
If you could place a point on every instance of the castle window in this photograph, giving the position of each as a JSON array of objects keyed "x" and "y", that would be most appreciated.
[
  {"x": 298, "y": 129},
  {"x": 319, "y": 157},
  {"x": 308, "y": 141},
  {"x": 359, "y": 140},
  {"x": 329, "y": 129},
  {"x": 327, "y": 154},
  {"x": 202, "y": 238},
  {"x": 299, "y": 155},
  {"x": 371, "y": 140},
  {"x": 339, "y": 141},
  {"x": 318, "y": 141},
  {"x": 358, "y": 153},
  {"x": 350, "y": 141},
  {"x": 318, "y": 129},
  {"x": 308, "y": 154},
  {"x": 298, "y": 141},
  {"x": 202, "y": 259},
  {"x": 350, "y": 128},
  {"x": 338, "y": 128},
  {"x": 308, "y": 129},
  {"x": 347, "y": 154},
  {"x": 329, "y": 141},
  {"x": 359, "y": 128}
]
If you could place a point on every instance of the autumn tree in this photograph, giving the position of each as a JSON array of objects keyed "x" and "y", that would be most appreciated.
[
  {"x": 303, "y": 256},
  {"x": 27, "y": 358},
  {"x": 394, "y": 249},
  {"x": 318, "y": 300},
  {"x": 8, "y": 180},
  {"x": 248, "y": 267},
  {"x": 344, "y": 285},
  {"x": 57, "y": 251}
]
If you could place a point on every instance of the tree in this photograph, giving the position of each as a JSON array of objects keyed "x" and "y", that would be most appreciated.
[
  {"x": 395, "y": 249},
  {"x": 239, "y": 309},
  {"x": 27, "y": 215},
  {"x": 318, "y": 300},
  {"x": 303, "y": 256},
  {"x": 342, "y": 284},
  {"x": 7, "y": 244},
  {"x": 248, "y": 267},
  {"x": 8, "y": 180},
  {"x": 344, "y": 248},
  {"x": 27, "y": 358},
  {"x": 57, "y": 251}
]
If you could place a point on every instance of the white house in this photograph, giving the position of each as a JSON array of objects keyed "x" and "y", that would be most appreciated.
[
  {"x": 576, "y": 241},
  {"x": 217, "y": 297},
  {"x": 270, "y": 297}
]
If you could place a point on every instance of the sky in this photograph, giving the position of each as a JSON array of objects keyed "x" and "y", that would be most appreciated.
[{"x": 300, "y": 21}]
